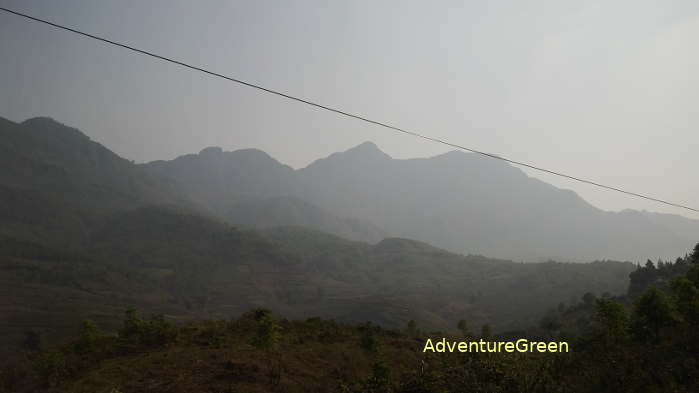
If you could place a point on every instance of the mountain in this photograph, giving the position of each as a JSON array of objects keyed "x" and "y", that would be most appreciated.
[
  {"x": 678, "y": 224},
  {"x": 217, "y": 179},
  {"x": 466, "y": 203},
  {"x": 249, "y": 188},
  {"x": 458, "y": 201},
  {"x": 35, "y": 216},
  {"x": 65, "y": 164}
]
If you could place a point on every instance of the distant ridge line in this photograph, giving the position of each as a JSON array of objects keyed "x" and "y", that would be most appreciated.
[{"x": 349, "y": 114}]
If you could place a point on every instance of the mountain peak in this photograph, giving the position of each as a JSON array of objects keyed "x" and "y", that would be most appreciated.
[
  {"x": 367, "y": 148},
  {"x": 367, "y": 151},
  {"x": 42, "y": 120},
  {"x": 47, "y": 124},
  {"x": 363, "y": 153},
  {"x": 210, "y": 151}
]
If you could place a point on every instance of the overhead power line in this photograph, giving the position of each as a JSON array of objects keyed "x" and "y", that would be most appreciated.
[{"x": 345, "y": 113}]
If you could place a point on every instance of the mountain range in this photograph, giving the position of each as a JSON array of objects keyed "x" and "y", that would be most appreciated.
[{"x": 457, "y": 201}]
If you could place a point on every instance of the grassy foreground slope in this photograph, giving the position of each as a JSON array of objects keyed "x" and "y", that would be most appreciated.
[{"x": 646, "y": 343}]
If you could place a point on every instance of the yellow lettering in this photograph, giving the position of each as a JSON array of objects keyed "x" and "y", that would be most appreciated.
[
  {"x": 521, "y": 345},
  {"x": 428, "y": 345},
  {"x": 561, "y": 345},
  {"x": 463, "y": 347}
]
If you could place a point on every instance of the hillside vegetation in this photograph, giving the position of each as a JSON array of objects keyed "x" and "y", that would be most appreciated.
[
  {"x": 190, "y": 266},
  {"x": 629, "y": 344}
]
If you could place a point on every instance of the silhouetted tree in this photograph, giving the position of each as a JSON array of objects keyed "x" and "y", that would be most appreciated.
[
  {"x": 694, "y": 258},
  {"x": 650, "y": 265}
]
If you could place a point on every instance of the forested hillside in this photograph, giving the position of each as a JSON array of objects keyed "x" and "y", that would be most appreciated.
[{"x": 189, "y": 266}]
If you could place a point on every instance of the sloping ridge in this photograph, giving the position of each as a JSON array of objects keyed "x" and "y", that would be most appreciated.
[{"x": 61, "y": 161}]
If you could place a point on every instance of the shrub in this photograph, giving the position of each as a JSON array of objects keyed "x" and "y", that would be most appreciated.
[{"x": 52, "y": 367}]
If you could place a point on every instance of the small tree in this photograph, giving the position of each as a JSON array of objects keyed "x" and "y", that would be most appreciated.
[
  {"x": 379, "y": 382},
  {"x": 88, "y": 341},
  {"x": 687, "y": 298},
  {"x": 52, "y": 367},
  {"x": 693, "y": 275},
  {"x": 611, "y": 322},
  {"x": 653, "y": 311},
  {"x": 267, "y": 330},
  {"x": 266, "y": 337},
  {"x": 132, "y": 323},
  {"x": 157, "y": 331}
]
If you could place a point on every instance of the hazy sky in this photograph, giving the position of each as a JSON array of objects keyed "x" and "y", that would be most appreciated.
[{"x": 606, "y": 90}]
